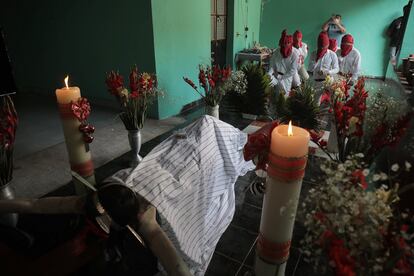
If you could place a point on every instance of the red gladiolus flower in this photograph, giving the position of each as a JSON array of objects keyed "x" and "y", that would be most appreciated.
[
  {"x": 114, "y": 82},
  {"x": 202, "y": 78},
  {"x": 323, "y": 143},
  {"x": 315, "y": 136},
  {"x": 340, "y": 256},
  {"x": 404, "y": 228},
  {"x": 326, "y": 97},
  {"x": 134, "y": 94},
  {"x": 358, "y": 177},
  {"x": 190, "y": 82},
  {"x": 8, "y": 122},
  {"x": 320, "y": 216},
  {"x": 134, "y": 79},
  {"x": 212, "y": 83}
]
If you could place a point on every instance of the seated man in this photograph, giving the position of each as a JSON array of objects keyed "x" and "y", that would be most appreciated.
[
  {"x": 302, "y": 47},
  {"x": 284, "y": 64},
  {"x": 323, "y": 62},
  {"x": 190, "y": 179},
  {"x": 349, "y": 58}
]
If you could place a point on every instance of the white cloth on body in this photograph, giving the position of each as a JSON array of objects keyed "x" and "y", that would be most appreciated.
[
  {"x": 327, "y": 65},
  {"x": 350, "y": 64},
  {"x": 191, "y": 181},
  {"x": 282, "y": 70},
  {"x": 301, "y": 74}
]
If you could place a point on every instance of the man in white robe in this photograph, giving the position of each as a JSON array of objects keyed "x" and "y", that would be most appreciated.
[
  {"x": 349, "y": 58},
  {"x": 323, "y": 62},
  {"x": 302, "y": 47},
  {"x": 284, "y": 64}
]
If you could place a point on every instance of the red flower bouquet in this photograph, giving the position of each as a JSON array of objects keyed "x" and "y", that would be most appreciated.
[
  {"x": 212, "y": 80},
  {"x": 348, "y": 115},
  {"x": 8, "y": 126},
  {"x": 143, "y": 91}
]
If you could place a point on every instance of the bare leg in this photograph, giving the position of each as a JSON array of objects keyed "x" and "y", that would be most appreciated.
[{"x": 160, "y": 245}]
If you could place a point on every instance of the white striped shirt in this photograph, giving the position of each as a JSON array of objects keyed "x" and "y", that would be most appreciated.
[{"x": 191, "y": 183}]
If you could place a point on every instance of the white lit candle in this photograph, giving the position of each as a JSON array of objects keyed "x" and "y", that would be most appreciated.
[
  {"x": 67, "y": 94},
  {"x": 287, "y": 162},
  {"x": 79, "y": 156},
  {"x": 289, "y": 141}
]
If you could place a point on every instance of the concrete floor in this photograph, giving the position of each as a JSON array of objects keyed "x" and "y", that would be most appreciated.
[{"x": 41, "y": 162}]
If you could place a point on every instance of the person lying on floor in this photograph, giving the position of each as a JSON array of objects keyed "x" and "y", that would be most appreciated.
[
  {"x": 111, "y": 213},
  {"x": 190, "y": 178}
]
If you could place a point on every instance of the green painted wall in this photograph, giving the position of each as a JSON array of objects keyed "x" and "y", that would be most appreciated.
[
  {"x": 85, "y": 39},
  {"x": 366, "y": 20},
  {"x": 182, "y": 41},
  {"x": 242, "y": 13}
]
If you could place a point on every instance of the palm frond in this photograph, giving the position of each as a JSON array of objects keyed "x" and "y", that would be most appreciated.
[
  {"x": 301, "y": 107},
  {"x": 256, "y": 98}
]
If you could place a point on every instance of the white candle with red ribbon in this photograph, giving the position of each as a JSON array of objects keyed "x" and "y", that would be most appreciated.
[
  {"x": 286, "y": 168},
  {"x": 74, "y": 111}
]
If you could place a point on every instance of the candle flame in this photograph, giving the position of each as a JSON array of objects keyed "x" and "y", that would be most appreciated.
[
  {"x": 290, "y": 129},
  {"x": 66, "y": 82}
]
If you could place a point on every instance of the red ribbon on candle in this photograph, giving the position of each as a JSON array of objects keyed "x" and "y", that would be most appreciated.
[
  {"x": 84, "y": 169},
  {"x": 272, "y": 252},
  {"x": 286, "y": 168}
]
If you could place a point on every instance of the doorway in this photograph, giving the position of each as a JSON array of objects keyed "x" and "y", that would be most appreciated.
[{"x": 218, "y": 32}]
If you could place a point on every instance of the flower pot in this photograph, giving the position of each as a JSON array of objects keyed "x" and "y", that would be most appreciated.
[
  {"x": 213, "y": 111},
  {"x": 7, "y": 192},
  {"x": 134, "y": 138}
]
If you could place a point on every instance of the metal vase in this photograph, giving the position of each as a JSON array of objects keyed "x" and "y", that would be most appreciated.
[
  {"x": 213, "y": 111},
  {"x": 7, "y": 192},
  {"x": 332, "y": 145},
  {"x": 134, "y": 138}
]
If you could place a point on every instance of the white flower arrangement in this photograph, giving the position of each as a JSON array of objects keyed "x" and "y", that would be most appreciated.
[
  {"x": 349, "y": 225},
  {"x": 237, "y": 82}
]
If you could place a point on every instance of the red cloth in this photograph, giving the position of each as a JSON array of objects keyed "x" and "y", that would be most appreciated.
[
  {"x": 286, "y": 44},
  {"x": 347, "y": 44},
  {"x": 258, "y": 144},
  {"x": 333, "y": 46},
  {"x": 297, "y": 39},
  {"x": 323, "y": 45}
]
